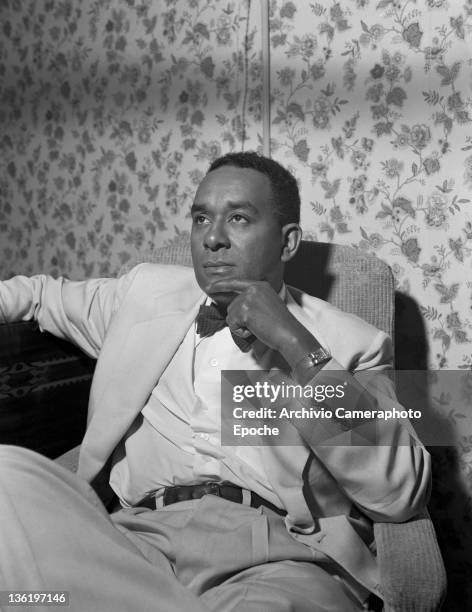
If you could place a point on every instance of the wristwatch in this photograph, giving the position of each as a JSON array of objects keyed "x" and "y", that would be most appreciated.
[{"x": 314, "y": 359}]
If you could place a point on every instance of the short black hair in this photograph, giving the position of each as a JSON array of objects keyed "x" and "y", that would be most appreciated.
[{"x": 284, "y": 186}]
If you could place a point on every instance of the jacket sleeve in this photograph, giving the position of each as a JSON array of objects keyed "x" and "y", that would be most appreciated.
[
  {"x": 379, "y": 463},
  {"x": 76, "y": 311}
]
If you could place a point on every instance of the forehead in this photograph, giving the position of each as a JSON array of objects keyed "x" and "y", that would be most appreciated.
[{"x": 232, "y": 184}]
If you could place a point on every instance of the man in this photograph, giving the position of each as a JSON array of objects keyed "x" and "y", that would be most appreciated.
[{"x": 285, "y": 527}]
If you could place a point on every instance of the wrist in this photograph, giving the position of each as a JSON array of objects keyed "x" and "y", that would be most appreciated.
[{"x": 296, "y": 343}]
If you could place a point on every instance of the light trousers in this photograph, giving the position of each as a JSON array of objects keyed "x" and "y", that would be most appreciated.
[{"x": 200, "y": 555}]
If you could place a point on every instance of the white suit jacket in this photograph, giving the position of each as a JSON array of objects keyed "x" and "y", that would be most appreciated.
[{"x": 133, "y": 326}]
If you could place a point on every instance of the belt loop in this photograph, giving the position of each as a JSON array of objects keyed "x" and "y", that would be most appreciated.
[
  {"x": 159, "y": 502},
  {"x": 246, "y": 497}
]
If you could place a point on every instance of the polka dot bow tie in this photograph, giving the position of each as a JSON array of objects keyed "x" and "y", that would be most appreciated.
[{"x": 211, "y": 319}]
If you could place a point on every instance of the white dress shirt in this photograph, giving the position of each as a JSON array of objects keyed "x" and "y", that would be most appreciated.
[{"x": 176, "y": 438}]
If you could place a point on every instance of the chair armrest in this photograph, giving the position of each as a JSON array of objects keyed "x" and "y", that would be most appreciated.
[{"x": 412, "y": 572}]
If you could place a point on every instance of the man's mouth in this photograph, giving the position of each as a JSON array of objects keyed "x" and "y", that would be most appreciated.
[{"x": 218, "y": 267}]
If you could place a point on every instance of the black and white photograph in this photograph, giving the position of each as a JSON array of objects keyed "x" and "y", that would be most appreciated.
[{"x": 236, "y": 305}]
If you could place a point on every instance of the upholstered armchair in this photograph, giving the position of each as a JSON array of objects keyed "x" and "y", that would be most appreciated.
[{"x": 412, "y": 572}]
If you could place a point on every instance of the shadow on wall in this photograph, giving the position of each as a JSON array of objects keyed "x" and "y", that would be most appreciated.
[{"x": 450, "y": 505}]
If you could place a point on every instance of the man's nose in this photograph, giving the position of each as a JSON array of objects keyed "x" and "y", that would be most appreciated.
[{"x": 216, "y": 237}]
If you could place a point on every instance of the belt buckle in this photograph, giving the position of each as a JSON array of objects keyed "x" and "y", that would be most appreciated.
[
  {"x": 148, "y": 501},
  {"x": 212, "y": 488}
]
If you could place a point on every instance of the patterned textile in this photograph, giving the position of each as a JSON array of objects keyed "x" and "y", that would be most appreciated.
[{"x": 44, "y": 388}]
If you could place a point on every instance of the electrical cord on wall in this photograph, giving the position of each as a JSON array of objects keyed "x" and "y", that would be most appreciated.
[
  {"x": 246, "y": 77},
  {"x": 265, "y": 102},
  {"x": 265, "y": 42}
]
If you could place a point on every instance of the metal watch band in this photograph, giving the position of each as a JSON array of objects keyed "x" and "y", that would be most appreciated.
[{"x": 315, "y": 358}]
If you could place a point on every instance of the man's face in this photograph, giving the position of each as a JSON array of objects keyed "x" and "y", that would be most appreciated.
[{"x": 235, "y": 230}]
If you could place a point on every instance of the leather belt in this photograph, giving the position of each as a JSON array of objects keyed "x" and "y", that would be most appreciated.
[{"x": 226, "y": 490}]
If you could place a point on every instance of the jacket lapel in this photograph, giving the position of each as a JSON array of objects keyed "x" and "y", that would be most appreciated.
[{"x": 129, "y": 367}]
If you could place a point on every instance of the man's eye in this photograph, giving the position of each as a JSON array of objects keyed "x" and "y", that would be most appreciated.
[
  {"x": 199, "y": 219},
  {"x": 239, "y": 219}
]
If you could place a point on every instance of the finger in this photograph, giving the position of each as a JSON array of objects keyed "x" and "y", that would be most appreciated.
[
  {"x": 242, "y": 332},
  {"x": 236, "y": 321}
]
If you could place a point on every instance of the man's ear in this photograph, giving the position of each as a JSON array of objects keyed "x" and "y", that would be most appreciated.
[{"x": 291, "y": 238}]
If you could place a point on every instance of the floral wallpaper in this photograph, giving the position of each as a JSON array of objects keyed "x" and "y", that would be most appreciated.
[
  {"x": 372, "y": 110},
  {"x": 111, "y": 111}
]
